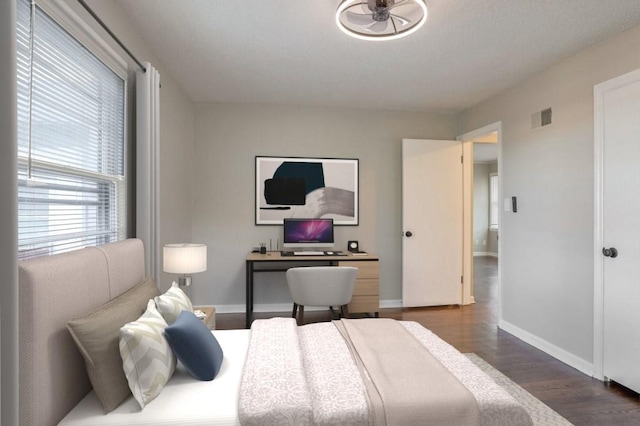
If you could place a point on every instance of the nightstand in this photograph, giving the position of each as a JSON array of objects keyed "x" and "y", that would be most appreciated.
[{"x": 210, "y": 320}]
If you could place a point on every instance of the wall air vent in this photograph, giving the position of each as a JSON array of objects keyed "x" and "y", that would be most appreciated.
[{"x": 541, "y": 118}]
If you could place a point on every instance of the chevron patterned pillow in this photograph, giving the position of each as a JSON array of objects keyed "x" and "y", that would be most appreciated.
[
  {"x": 147, "y": 359},
  {"x": 171, "y": 303}
]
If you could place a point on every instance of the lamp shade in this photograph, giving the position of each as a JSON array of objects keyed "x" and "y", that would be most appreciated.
[{"x": 184, "y": 258}]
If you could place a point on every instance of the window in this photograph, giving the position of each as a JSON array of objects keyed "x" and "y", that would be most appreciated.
[
  {"x": 71, "y": 141},
  {"x": 493, "y": 201}
]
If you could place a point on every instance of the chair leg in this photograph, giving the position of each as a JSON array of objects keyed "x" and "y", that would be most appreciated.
[
  {"x": 333, "y": 313},
  {"x": 344, "y": 309},
  {"x": 300, "y": 315},
  {"x": 295, "y": 310}
]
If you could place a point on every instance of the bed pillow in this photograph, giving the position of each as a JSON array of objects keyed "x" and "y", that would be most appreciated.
[
  {"x": 147, "y": 359},
  {"x": 195, "y": 346},
  {"x": 171, "y": 303},
  {"x": 97, "y": 337}
]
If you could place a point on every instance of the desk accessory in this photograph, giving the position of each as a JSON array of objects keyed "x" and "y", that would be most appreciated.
[{"x": 353, "y": 246}]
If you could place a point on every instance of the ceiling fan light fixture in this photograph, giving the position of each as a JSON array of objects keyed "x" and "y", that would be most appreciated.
[{"x": 380, "y": 19}]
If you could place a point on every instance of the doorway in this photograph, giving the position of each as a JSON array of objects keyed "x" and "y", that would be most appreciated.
[
  {"x": 410, "y": 264},
  {"x": 482, "y": 212}
]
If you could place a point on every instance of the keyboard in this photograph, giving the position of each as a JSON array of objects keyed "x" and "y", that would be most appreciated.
[
  {"x": 312, "y": 253},
  {"x": 308, "y": 253}
]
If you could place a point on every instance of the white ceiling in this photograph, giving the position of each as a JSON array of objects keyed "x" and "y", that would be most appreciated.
[{"x": 291, "y": 52}]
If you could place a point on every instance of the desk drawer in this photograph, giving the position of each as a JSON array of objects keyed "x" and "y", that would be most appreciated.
[
  {"x": 366, "y": 269},
  {"x": 367, "y": 287},
  {"x": 364, "y": 304}
]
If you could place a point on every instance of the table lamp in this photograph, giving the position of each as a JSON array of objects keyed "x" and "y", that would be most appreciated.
[{"x": 185, "y": 259}]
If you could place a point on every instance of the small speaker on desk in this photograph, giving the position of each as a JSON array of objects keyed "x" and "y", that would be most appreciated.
[{"x": 353, "y": 246}]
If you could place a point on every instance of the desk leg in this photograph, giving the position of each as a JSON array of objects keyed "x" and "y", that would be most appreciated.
[{"x": 249, "y": 293}]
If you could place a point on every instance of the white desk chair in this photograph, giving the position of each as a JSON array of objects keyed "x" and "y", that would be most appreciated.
[{"x": 321, "y": 286}]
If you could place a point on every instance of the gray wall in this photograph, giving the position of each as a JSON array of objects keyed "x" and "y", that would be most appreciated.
[
  {"x": 547, "y": 256},
  {"x": 8, "y": 217},
  {"x": 227, "y": 139}
]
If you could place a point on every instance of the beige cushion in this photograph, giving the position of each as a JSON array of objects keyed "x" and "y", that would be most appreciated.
[
  {"x": 171, "y": 303},
  {"x": 97, "y": 334},
  {"x": 147, "y": 359}
]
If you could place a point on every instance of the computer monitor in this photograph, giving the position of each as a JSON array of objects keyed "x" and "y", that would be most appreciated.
[{"x": 308, "y": 233}]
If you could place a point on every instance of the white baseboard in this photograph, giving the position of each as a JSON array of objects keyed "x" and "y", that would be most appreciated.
[
  {"x": 287, "y": 307},
  {"x": 262, "y": 307},
  {"x": 484, "y": 253},
  {"x": 568, "y": 358},
  {"x": 391, "y": 303}
]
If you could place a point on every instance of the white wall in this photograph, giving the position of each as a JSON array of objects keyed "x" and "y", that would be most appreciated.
[
  {"x": 8, "y": 217},
  {"x": 480, "y": 207},
  {"x": 547, "y": 257},
  {"x": 176, "y": 130},
  {"x": 227, "y": 139}
]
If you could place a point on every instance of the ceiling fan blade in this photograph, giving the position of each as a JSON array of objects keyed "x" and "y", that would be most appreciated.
[
  {"x": 378, "y": 27},
  {"x": 358, "y": 18},
  {"x": 402, "y": 21},
  {"x": 398, "y": 3}
]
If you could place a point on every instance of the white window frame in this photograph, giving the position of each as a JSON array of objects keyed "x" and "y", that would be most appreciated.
[
  {"x": 76, "y": 27},
  {"x": 494, "y": 201}
]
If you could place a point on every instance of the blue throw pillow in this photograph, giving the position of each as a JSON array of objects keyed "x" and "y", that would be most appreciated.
[{"x": 195, "y": 346}]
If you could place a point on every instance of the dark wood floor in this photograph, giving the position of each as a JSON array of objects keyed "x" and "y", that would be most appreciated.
[{"x": 579, "y": 398}]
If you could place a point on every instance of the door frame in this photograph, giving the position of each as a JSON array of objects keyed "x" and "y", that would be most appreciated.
[
  {"x": 467, "y": 230},
  {"x": 598, "y": 235}
]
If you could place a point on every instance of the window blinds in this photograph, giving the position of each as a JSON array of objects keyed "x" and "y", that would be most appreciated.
[{"x": 71, "y": 112}]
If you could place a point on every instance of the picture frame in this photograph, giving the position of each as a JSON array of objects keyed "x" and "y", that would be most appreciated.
[{"x": 301, "y": 187}]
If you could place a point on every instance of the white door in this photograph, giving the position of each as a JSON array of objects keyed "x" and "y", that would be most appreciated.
[
  {"x": 432, "y": 222},
  {"x": 621, "y": 234}
]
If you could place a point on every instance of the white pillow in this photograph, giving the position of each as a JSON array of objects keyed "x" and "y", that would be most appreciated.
[
  {"x": 147, "y": 359},
  {"x": 171, "y": 303}
]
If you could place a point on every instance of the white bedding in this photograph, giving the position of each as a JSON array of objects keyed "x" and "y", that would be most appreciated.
[
  {"x": 333, "y": 387},
  {"x": 184, "y": 401}
]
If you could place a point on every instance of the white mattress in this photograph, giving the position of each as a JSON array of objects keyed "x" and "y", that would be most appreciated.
[{"x": 184, "y": 400}]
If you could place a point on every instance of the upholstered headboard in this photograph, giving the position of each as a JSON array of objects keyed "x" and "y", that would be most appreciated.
[{"x": 53, "y": 290}]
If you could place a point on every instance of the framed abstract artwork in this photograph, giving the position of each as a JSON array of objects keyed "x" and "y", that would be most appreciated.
[{"x": 295, "y": 187}]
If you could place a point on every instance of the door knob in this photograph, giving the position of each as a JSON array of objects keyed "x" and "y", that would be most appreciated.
[
  {"x": 610, "y": 252},
  {"x": 408, "y": 234}
]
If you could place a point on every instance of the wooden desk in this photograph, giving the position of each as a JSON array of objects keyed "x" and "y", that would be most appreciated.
[{"x": 366, "y": 295}]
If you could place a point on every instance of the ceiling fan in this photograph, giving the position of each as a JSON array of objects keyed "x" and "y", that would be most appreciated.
[{"x": 380, "y": 19}]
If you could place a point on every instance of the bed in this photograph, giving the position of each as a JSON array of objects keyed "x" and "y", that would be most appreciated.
[{"x": 275, "y": 373}]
